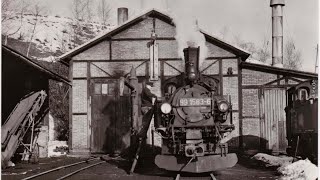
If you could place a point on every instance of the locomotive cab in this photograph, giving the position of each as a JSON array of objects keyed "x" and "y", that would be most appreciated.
[{"x": 302, "y": 119}]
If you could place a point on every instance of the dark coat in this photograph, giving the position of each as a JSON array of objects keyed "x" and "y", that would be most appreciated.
[{"x": 146, "y": 97}]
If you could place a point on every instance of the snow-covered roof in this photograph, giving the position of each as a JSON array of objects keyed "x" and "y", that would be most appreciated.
[
  {"x": 255, "y": 61},
  {"x": 145, "y": 13},
  {"x": 264, "y": 67}
]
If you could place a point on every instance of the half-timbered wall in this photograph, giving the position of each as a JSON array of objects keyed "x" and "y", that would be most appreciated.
[
  {"x": 263, "y": 115},
  {"x": 116, "y": 55}
]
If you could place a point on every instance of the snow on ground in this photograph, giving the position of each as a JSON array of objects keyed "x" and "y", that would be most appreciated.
[
  {"x": 54, "y": 146},
  {"x": 300, "y": 170},
  {"x": 52, "y": 33},
  {"x": 273, "y": 160}
]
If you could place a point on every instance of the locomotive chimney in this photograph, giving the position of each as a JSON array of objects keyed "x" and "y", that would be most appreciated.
[
  {"x": 122, "y": 15},
  {"x": 191, "y": 56},
  {"x": 277, "y": 32}
]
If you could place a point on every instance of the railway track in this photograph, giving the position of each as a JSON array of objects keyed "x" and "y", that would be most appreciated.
[{"x": 66, "y": 171}]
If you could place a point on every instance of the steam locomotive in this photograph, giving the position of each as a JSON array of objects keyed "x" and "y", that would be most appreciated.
[
  {"x": 302, "y": 120},
  {"x": 191, "y": 120}
]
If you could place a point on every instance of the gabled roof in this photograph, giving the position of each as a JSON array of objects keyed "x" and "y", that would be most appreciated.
[
  {"x": 152, "y": 13},
  {"x": 226, "y": 45},
  {"x": 35, "y": 65}
]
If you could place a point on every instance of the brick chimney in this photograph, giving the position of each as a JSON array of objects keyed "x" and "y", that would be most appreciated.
[{"x": 122, "y": 15}]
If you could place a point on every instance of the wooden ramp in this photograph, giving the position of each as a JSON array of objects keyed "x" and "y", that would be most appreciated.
[{"x": 21, "y": 119}]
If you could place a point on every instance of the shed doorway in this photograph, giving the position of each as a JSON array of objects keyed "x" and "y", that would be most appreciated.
[
  {"x": 273, "y": 118},
  {"x": 110, "y": 117}
]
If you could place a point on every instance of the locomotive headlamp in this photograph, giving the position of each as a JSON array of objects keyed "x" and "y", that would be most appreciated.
[
  {"x": 223, "y": 106},
  {"x": 166, "y": 108}
]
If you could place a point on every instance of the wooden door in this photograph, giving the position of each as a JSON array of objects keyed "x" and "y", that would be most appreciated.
[
  {"x": 110, "y": 117},
  {"x": 273, "y": 118}
]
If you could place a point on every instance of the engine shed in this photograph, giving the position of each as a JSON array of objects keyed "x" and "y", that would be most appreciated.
[
  {"x": 20, "y": 77},
  {"x": 100, "y": 118}
]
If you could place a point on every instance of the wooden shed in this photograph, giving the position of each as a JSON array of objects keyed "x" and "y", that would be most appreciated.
[
  {"x": 20, "y": 77},
  {"x": 100, "y": 120}
]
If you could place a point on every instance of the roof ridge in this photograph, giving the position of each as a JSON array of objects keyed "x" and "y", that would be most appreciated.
[{"x": 147, "y": 12}]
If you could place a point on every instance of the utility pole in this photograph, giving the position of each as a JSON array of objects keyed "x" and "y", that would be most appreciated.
[{"x": 316, "y": 66}]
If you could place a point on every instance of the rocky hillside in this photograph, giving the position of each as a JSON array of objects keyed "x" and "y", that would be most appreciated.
[{"x": 50, "y": 36}]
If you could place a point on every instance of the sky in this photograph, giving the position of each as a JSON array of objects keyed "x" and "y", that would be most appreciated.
[{"x": 250, "y": 20}]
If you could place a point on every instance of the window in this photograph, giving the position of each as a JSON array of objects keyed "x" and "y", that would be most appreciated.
[
  {"x": 303, "y": 94},
  {"x": 104, "y": 89},
  {"x": 101, "y": 89},
  {"x": 111, "y": 88}
]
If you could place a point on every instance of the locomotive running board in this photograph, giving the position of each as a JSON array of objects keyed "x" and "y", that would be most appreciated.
[{"x": 201, "y": 165}]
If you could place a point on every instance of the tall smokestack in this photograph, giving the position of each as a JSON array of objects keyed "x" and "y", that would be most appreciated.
[
  {"x": 122, "y": 15},
  {"x": 277, "y": 32}
]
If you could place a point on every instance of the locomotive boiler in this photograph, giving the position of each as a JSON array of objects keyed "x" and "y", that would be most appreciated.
[{"x": 191, "y": 121}]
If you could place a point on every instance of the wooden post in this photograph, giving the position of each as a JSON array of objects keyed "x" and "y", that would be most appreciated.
[{"x": 133, "y": 81}]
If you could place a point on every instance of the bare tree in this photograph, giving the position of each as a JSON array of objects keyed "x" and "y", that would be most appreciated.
[
  {"x": 292, "y": 56},
  {"x": 259, "y": 53},
  {"x": 7, "y": 10},
  {"x": 103, "y": 12},
  {"x": 78, "y": 12},
  {"x": 249, "y": 46},
  {"x": 224, "y": 32},
  {"x": 37, "y": 10},
  {"x": 88, "y": 10},
  {"x": 263, "y": 53},
  {"x": 62, "y": 39},
  {"x": 10, "y": 10}
]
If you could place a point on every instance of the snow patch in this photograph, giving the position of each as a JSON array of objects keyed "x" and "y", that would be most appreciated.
[
  {"x": 52, "y": 33},
  {"x": 278, "y": 65},
  {"x": 48, "y": 59},
  {"x": 302, "y": 170},
  {"x": 273, "y": 160},
  {"x": 254, "y": 61},
  {"x": 53, "y": 145}
]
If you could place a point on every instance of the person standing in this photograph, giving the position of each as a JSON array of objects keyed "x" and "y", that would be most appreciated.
[{"x": 147, "y": 108}]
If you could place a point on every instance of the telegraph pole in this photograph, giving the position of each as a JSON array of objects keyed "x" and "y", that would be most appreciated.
[{"x": 316, "y": 66}]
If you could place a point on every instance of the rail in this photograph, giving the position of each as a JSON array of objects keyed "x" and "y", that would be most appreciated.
[{"x": 67, "y": 166}]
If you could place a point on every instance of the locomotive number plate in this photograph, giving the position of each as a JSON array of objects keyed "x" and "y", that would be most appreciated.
[{"x": 195, "y": 101}]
